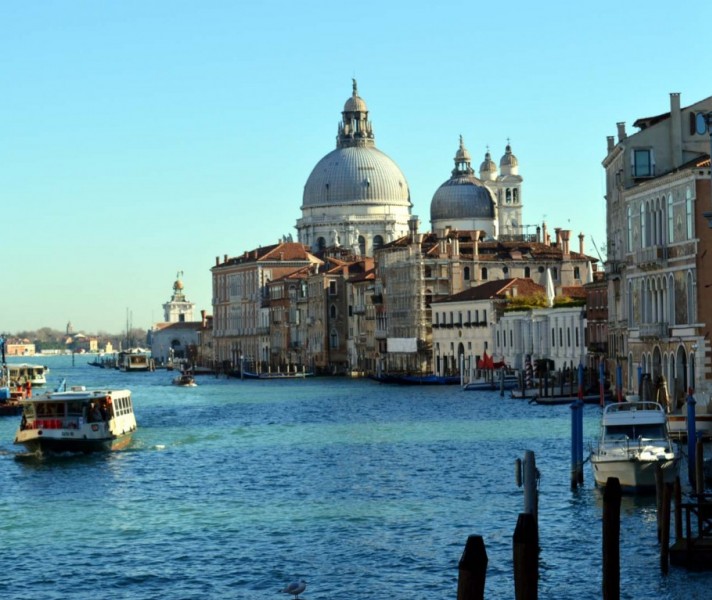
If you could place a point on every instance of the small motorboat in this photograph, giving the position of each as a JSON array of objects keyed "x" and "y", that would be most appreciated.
[
  {"x": 185, "y": 380},
  {"x": 633, "y": 444}
]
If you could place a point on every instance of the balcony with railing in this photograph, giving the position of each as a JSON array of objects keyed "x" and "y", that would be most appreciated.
[{"x": 654, "y": 257}]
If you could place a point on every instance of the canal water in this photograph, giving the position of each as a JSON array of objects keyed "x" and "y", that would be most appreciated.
[{"x": 234, "y": 488}]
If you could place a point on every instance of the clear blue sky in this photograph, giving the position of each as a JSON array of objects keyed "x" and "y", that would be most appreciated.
[{"x": 140, "y": 138}]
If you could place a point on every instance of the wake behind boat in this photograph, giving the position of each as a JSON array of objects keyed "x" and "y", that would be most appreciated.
[
  {"x": 78, "y": 420},
  {"x": 633, "y": 443}
]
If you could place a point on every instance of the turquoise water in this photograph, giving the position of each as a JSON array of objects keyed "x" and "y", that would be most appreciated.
[{"x": 234, "y": 488}]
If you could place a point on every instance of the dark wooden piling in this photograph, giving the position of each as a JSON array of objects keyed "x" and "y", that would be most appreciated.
[
  {"x": 664, "y": 520},
  {"x": 677, "y": 491},
  {"x": 659, "y": 487},
  {"x": 526, "y": 558},
  {"x": 472, "y": 570},
  {"x": 611, "y": 539},
  {"x": 699, "y": 466}
]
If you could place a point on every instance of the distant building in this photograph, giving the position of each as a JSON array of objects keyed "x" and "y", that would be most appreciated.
[
  {"x": 178, "y": 336},
  {"x": 19, "y": 348}
]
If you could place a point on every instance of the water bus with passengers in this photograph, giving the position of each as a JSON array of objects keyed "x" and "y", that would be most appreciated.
[{"x": 77, "y": 420}]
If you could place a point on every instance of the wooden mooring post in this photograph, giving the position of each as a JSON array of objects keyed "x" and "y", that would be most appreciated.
[
  {"x": 526, "y": 558},
  {"x": 611, "y": 539},
  {"x": 472, "y": 570}
]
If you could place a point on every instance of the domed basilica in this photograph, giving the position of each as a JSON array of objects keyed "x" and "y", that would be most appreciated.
[{"x": 356, "y": 197}]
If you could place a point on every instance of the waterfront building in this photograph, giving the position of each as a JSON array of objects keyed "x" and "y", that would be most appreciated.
[
  {"x": 414, "y": 272},
  {"x": 463, "y": 323},
  {"x": 241, "y": 314},
  {"x": 555, "y": 333},
  {"x": 178, "y": 336},
  {"x": 660, "y": 249},
  {"x": 356, "y": 196},
  {"x": 596, "y": 332},
  {"x": 287, "y": 298},
  {"x": 361, "y": 341}
]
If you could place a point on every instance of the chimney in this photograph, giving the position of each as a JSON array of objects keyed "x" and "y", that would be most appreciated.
[
  {"x": 203, "y": 319},
  {"x": 565, "y": 237},
  {"x": 217, "y": 261},
  {"x": 581, "y": 243},
  {"x": 675, "y": 129},
  {"x": 611, "y": 143},
  {"x": 557, "y": 232},
  {"x": 544, "y": 234},
  {"x": 621, "y": 131},
  {"x": 538, "y": 234}
]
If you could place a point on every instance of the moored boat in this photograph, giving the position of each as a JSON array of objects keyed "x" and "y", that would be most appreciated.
[
  {"x": 275, "y": 375},
  {"x": 78, "y": 420},
  {"x": 633, "y": 443},
  {"x": 135, "y": 359},
  {"x": 502, "y": 379},
  {"x": 21, "y": 373},
  {"x": 677, "y": 419}
]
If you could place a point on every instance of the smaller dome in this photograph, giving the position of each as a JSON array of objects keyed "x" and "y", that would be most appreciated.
[
  {"x": 488, "y": 165},
  {"x": 508, "y": 160},
  {"x": 355, "y": 103},
  {"x": 178, "y": 285}
]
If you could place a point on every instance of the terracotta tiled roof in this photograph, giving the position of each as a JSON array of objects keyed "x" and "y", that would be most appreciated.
[{"x": 500, "y": 288}]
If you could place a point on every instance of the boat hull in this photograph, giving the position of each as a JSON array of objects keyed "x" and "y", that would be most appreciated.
[
  {"x": 51, "y": 444},
  {"x": 635, "y": 476},
  {"x": 477, "y": 386}
]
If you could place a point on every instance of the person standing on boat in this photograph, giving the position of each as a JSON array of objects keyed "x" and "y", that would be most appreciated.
[
  {"x": 28, "y": 388},
  {"x": 94, "y": 413}
]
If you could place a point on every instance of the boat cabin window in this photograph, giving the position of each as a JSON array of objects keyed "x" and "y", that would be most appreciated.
[
  {"x": 74, "y": 409},
  {"x": 50, "y": 409},
  {"x": 633, "y": 432}
]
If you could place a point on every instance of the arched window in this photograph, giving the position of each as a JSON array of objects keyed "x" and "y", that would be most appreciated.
[
  {"x": 642, "y": 225},
  {"x": 377, "y": 242},
  {"x": 630, "y": 229},
  {"x": 334, "y": 339},
  {"x": 508, "y": 196},
  {"x": 466, "y": 273},
  {"x": 691, "y": 316},
  {"x": 320, "y": 243},
  {"x": 688, "y": 213},
  {"x": 515, "y": 195},
  {"x": 332, "y": 311},
  {"x": 670, "y": 221},
  {"x": 362, "y": 245},
  {"x": 484, "y": 273},
  {"x": 527, "y": 272}
]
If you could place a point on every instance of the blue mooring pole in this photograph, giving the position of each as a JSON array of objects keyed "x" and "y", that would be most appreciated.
[{"x": 691, "y": 437}]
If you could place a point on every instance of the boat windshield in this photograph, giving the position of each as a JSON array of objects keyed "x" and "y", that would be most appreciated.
[{"x": 651, "y": 431}]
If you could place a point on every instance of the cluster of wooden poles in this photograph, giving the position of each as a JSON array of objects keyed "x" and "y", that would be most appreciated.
[{"x": 473, "y": 563}]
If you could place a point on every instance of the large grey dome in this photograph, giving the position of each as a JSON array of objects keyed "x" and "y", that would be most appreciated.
[
  {"x": 463, "y": 196},
  {"x": 356, "y": 174}
]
